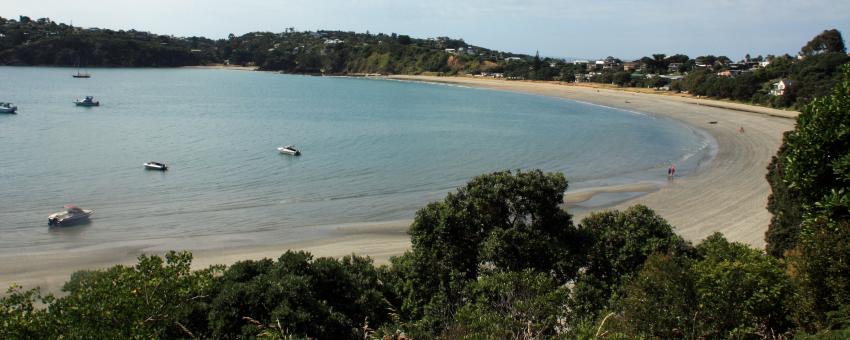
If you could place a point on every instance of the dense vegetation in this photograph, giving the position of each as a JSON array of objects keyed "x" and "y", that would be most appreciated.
[
  {"x": 44, "y": 42},
  {"x": 812, "y": 74}
]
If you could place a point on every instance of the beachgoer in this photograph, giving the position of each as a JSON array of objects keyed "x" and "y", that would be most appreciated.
[
  {"x": 741, "y": 129},
  {"x": 673, "y": 170}
]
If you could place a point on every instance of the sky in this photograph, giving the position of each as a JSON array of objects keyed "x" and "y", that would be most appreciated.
[{"x": 627, "y": 29}]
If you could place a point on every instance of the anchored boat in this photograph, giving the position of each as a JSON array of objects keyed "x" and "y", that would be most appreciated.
[
  {"x": 289, "y": 150},
  {"x": 8, "y": 108},
  {"x": 88, "y": 101},
  {"x": 156, "y": 166},
  {"x": 71, "y": 215}
]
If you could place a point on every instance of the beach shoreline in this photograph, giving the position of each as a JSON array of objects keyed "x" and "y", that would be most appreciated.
[{"x": 728, "y": 194}]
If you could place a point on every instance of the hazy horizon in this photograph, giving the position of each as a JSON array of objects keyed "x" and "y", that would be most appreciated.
[{"x": 625, "y": 29}]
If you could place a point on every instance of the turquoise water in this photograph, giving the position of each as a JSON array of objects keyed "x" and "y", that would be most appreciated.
[{"x": 373, "y": 150}]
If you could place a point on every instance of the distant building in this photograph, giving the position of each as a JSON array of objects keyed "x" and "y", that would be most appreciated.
[
  {"x": 510, "y": 59},
  {"x": 778, "y": 88},
  {"x": 490, "y": 75},
  {"x": 630, "y": 66},
  {"x": 671, "y": 77},
  {"x": 450, "y": 51},
  {"x": 333, "y": 41},
  {"x": 673, "y": 67},
  {"x": 729, "y": 73}
]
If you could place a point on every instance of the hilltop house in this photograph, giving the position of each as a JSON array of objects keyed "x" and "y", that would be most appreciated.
[
  {"x": 673, "y": 67},
  {"x": 631, "y": 66},
  {"x": 778, "y": 88}
]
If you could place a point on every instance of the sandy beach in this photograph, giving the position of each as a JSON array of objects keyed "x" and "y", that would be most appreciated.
[{"x": 728, "y": 195}]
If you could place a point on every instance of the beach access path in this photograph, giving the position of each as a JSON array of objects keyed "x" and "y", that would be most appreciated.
[{"x": 727, "y": 195}]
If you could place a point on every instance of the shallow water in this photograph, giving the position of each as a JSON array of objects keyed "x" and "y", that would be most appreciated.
[{"x": 373, "y": 150}]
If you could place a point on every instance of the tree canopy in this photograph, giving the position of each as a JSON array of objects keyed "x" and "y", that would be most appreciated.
[
  {"x": 814, "y": 160},
  {"x": 829, "y": 41}
]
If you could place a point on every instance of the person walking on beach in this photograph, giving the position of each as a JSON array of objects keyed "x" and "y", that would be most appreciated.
[
  {"x": 741, "y": 129},
  {"x": 671, "y": 171}
]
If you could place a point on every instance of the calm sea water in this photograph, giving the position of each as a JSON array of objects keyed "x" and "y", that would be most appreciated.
[{"x": 373, "y": 150}]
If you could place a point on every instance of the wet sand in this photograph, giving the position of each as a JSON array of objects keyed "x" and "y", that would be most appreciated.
[{"x": 729, "y": 195}]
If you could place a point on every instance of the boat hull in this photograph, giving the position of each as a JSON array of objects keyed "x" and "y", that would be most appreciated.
[
  {"x": 87, "y": 104},
  {"x": 13, "y": 109},
  {"x": 149, "y": 166},
  {"x": 287, "y": 151},
  {"x": 63, "y": 219}
]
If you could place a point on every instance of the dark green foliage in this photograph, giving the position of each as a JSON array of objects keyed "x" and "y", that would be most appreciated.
[
  {"x": 823, "y": 265},
  {"x": 20, "y": 318},
  {"x": 511, "y": 305},
  {"x": 785, "y": 205},
  {"x": 829, "y": 41},
  {"x": 729, "y": 291},
  {"x": 622, "y": 78},
  {"x": 741, "y": 291},
  {"x": 620, "y": 242},
  {"x": 152, "y": 299},
  {"x": 44, "y": 42},
  {"x": 814, "y": 159},
  {"x": 661, "y": 301},
  {"x": 505, "y": 221},
  {"x": 297, "y": 295}
]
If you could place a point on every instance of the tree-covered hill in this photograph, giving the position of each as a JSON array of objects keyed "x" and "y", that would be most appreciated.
[
  {"x": 810, "y": 74},
  {"x": 44, "y": 42}
]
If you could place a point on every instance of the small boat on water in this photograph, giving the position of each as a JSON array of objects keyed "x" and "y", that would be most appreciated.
[
  {"x": 81, "y": 75},
  {"x": 71, "y": 215},
  {"x": 8, "y": 108},
  {"x": 156, "y": 166},
  {"x": 289, "y": 150},
  {"x": 87, "y": 101}
]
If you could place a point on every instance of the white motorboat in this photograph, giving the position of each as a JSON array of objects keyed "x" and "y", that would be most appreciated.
[
  {"x": 88, "y": 101},
  {"x": 71, "y": 215},
  {"x": 8, "y": 108},
  {"x": 289, "y": 150},
  {"x": 156, "y": 166}
]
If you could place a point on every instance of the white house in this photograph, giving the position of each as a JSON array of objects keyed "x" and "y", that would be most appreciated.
[{"x": 779, "y": 88}]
